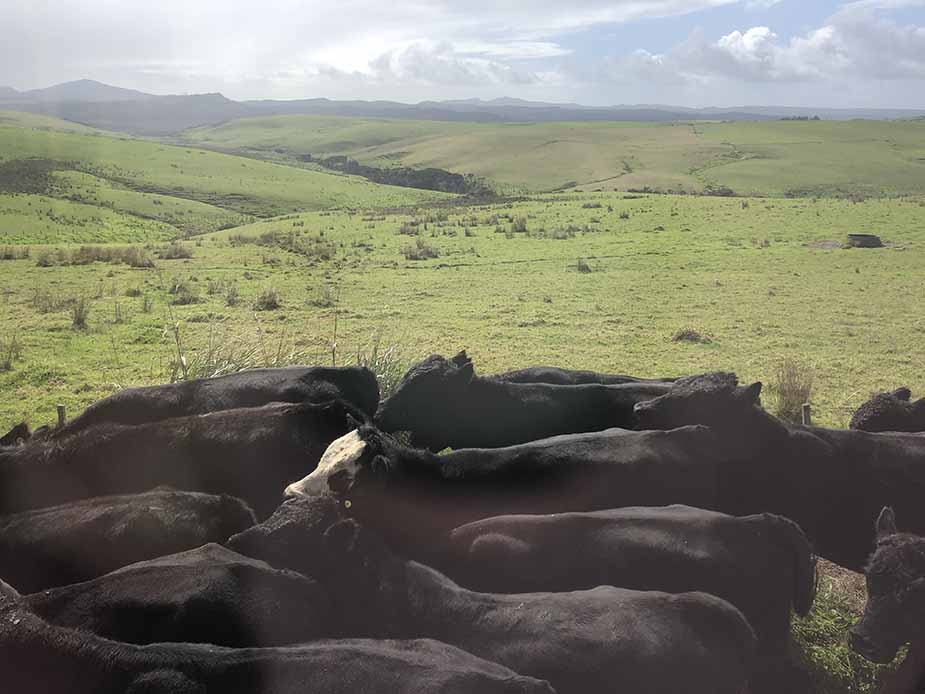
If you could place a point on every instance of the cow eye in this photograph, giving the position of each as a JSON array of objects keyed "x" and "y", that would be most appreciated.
[{"x": 339, "y": 482}]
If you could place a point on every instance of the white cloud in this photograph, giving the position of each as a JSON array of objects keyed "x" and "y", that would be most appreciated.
[
  {"x": 241, "y": 40},
  {"x": 857, "y": 43}
]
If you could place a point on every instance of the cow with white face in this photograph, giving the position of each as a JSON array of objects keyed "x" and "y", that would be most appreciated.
[{"x": 340, "y": 465}]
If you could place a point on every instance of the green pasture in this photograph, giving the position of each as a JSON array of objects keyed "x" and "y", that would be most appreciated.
[{"x": 759, "y": 279}]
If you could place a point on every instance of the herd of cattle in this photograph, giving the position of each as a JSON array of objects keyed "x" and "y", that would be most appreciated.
[{"x": 281, "y": 531}]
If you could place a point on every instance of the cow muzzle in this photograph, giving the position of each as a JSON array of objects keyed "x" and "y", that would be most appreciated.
[{"x": 865, "y": 647}]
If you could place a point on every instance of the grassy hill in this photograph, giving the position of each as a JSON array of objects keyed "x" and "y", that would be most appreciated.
[
  {"x": 63, "y": 182},
  {"x": 763, "y": 158}
]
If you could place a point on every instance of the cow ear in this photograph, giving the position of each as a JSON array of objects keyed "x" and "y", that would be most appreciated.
[
  {"x": 753, "y": 393},
  {"x": 461, "y": 359},
  {"x": 886, "y": 523},
  {"x": 466, "y": 373},
  {"x": 903, "y": 394}
]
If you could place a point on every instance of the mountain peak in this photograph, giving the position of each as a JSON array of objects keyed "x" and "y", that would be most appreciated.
[{"x": 83, "y": 90}]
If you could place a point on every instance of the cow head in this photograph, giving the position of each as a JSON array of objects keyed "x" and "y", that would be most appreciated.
[
  {"x": 890, "y": 412},
  {"x": 415, "y": 405},
  {"x": 17, "y": 436},
  {"x": 713, "y": 399},
  {"x": 895, "y": 610},
  {"x": 293, "y": 537},
  {"x": 360, "y": 454}
]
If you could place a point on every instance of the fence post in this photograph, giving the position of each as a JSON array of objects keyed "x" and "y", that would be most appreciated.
[
  {"x": 807, "y": 414},
  {"x": 62, "y": 418}
]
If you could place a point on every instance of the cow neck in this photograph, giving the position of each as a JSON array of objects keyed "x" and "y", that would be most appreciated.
[
  {"x": 420, "y": 602},
  {"x": 753, "y": 430},
  {"x": 34, "y": 476}
]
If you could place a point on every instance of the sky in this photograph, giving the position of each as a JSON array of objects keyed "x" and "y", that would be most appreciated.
[{"x": 815, "y": 53}]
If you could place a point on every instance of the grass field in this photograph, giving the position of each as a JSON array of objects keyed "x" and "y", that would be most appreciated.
[
  {"x": 341, "y": 269},
  {"x": 765, "y": 158}
]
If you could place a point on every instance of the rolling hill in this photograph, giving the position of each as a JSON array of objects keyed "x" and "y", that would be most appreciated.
[
  {"x": 63, "y": 182},
  {"x": 754, "y": 158}
]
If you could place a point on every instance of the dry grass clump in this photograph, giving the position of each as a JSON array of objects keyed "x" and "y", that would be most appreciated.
[
  {"x": 793, "y": 383},
  {"x": 268, "y": 300},
  {"x": 80, "y": 311}
]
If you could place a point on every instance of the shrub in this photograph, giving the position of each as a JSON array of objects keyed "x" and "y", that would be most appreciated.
[
  {"x": 793, "y": 383},
  {"x": 80, "y": 311},
  {"x": 421, "y": 250},
  {"x": 691, "y": 335},
  {"x": 582, "y": 266},
  {"x": 146, "y": 304},
  {"x": 14, "y": 253},
  {"x": 44, "y": 301},
  {"x": 176, "y": 251},
  {"x": 184, "y": 293},
  {"x": 268, "y": 300},
  {"x": 519, "y": 226},
  {"x": 133, "y": 292},
  {"x": 624, "y": 215},
  {"x": 592, "y": 206}
]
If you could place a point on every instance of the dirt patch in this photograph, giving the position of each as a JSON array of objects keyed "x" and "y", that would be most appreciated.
[
  {"x": 826, "y": 245},
  {"x": 848, "y": 585}
]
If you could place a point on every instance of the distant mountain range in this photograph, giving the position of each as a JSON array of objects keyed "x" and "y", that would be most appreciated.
[{"x": 127, "y": 110}]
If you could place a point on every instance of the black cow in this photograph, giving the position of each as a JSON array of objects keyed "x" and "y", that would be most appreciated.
[
  {"x": 583, "y": 642},
  {"x": 762, "y": 564},
  {"x": 890, "y": 412},
  {"x": 16, "y": 436},
  {"x": 833, "y": 482},
  {"x": 205, "y": 595},
  {"x": 39, "y": 658},
  {"x": 570, "y": 377},
  {"x": 444, "y": 404},
  {"x": 85, "y": 539},
  {"x": 554, "y": 375},
  {"x": 252, "y": 388},
  {"x": 415, "y": 497},
  {"x": 895, "y": 610},
  {"x": 249, "y": 453}
]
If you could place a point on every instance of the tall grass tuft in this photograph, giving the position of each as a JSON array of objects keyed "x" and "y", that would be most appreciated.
[
  {"x": 10, "y": 352},
  {"x": 388, "y": 361},
  {"x": 793, "y": 384},
  {"x": 221, "y": 356},
  {"x": 80, "y": 311}
]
